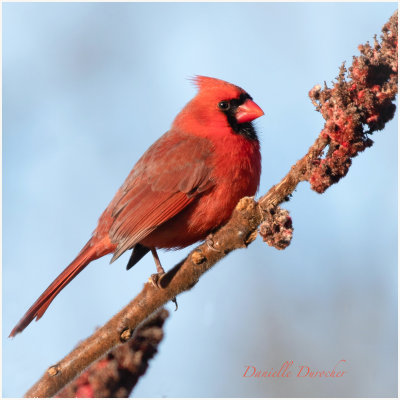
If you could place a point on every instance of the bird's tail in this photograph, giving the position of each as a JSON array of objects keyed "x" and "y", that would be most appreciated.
[{"x": 91, "y": 251}]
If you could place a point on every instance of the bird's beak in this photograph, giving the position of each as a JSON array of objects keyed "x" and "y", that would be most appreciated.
[{"x": 248, "y": 111}]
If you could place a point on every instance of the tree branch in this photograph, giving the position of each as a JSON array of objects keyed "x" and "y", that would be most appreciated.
[
  {"x": 352, "y": 109},
  {"x": 117, "y": 373}
]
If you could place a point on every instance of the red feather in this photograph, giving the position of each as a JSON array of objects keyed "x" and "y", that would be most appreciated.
[{"x": 182, "y": 188}]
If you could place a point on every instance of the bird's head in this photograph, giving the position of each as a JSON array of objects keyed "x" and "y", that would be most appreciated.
[{"x": 218, "y": 105}]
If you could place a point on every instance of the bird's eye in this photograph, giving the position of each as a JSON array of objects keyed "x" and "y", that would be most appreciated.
[{"x": 224, "y": 105}]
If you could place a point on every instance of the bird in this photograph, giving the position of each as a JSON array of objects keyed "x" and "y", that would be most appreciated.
[{"x": 183, "y": 188}]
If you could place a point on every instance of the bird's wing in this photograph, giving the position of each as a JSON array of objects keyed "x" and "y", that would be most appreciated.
[{"x": 168, "y": 177}]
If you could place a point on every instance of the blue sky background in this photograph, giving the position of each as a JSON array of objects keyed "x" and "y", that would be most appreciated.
[{"x": 88, "y": 87}]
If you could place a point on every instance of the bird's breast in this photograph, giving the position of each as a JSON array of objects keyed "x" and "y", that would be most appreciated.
[{"x": 236, "y": 167}]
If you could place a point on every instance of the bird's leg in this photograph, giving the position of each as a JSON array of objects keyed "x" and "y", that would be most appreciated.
[
  {"x": 155, "y": 278},
  {"x": 160, "y": 269}
]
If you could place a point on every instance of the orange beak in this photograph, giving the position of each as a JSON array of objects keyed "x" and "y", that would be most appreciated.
[{"x": 248, "y": 111}]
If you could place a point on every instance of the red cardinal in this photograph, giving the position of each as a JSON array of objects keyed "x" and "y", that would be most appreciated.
[{"x": 183, "y": 187}]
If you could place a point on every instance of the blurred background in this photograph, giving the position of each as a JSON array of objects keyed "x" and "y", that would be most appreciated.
[{"x": 87, "y": 87}]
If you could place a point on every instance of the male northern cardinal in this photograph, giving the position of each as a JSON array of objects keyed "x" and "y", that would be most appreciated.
[{"x": 183, "y": 187}]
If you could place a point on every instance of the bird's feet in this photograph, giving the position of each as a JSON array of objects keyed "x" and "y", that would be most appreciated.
[
  {"x": 156, "y": 279},
  {"x": 210, "y": 243}
]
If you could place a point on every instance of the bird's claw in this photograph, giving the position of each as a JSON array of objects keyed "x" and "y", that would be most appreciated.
[
  {"x": 155, "y": 279},
  {"x": 175, "y": 302},
  {"x": 210, "y": 243}
]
